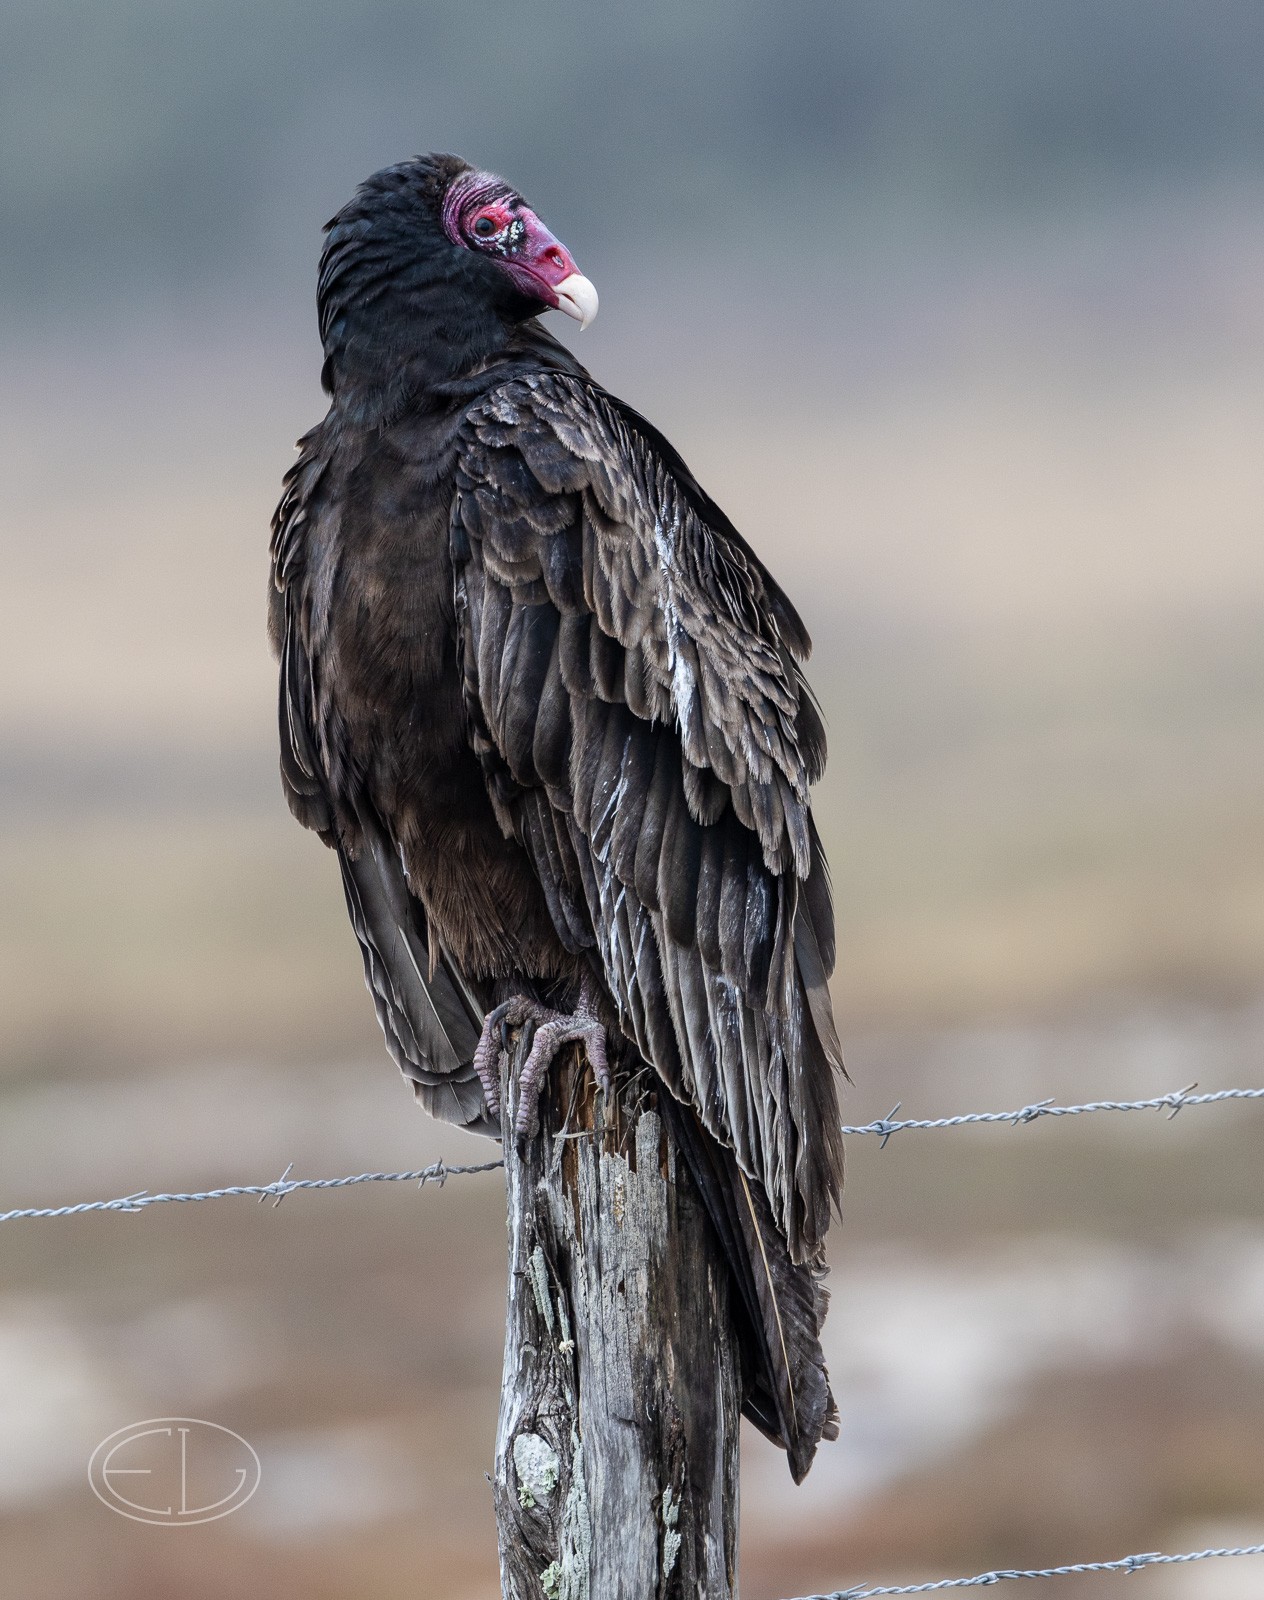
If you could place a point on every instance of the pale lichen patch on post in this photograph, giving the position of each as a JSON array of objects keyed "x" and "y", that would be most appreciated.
[
  {"x": 671, "y": 1531},
  {"x": 537, "y": 1465},
  {"x": 576, "y": 1531},
  {"x": 538, "y": 1272}
]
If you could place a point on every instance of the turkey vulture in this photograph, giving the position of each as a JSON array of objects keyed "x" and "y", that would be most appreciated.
[{"x": 548, "y": 707}]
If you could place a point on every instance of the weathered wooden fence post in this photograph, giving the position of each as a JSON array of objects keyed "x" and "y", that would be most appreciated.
[{"x": 617, "y": 1451}]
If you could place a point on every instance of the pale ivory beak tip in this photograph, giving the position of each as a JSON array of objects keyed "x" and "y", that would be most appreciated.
[{"x": 577, "y": 297}]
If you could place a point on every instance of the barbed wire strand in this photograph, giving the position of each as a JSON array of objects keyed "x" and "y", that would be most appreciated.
[
  {"x": 884, "y": 1127},
  {"x": 439, "y": 1171},
  {"x": 984, "y": 1580}
]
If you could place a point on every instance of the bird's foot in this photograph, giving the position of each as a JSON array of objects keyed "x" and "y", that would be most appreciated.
[
  {"x": 494, "y": 1041},
  {"x": 553, "y": 1029}
]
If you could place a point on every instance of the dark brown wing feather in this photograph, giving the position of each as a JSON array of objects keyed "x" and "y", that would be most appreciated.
[
  {"x": 429, "y": 1013},
  {"x": 633, "y": 678}
]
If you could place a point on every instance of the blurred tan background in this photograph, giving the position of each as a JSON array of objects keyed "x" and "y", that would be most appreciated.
[{"x": 958, "y": 310}]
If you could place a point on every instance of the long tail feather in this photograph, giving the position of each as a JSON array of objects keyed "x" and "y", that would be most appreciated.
[{"x": 782, "y": 1303}]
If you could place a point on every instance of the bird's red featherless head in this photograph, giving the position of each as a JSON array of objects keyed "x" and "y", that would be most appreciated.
[{"x": 482, "y": 213}]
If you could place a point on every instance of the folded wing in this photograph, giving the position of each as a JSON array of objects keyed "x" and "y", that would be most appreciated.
[{"x": 633, "y": 682}]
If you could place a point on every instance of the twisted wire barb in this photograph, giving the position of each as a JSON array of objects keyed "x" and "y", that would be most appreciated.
[
  {"x": 439, "y": 1171},
  {"x": 984, "y": 1580}
]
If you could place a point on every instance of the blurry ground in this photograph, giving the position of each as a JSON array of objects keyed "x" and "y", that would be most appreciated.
[{"x": 1018, "y": 492}]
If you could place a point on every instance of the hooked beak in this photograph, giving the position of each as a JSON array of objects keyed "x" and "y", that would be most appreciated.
[
  {"x": 545, "y": 268},
  {"x": 577, "y": 297}
]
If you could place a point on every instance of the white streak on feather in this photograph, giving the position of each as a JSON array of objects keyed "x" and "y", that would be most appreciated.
[
  {"x": 682, "y": 679},
  {"x": 621, "y": 981},
  {"x": 614, "y": 800}
]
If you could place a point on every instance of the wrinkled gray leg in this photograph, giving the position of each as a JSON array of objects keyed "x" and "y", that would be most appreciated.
[
  {"x": 494, "y": 1041},
  {"x": 581, "y": 1025},
  {"x": 553, "y": 1030}
]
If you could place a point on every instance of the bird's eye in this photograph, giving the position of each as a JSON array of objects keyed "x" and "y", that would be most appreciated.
[{"x": 484, "y": 227}]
